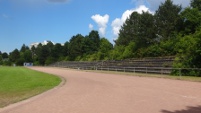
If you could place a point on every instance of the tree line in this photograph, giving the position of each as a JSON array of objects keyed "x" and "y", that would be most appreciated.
[
  {"x": 170, "y": 31},
  {"x": 79, "y": 48}
]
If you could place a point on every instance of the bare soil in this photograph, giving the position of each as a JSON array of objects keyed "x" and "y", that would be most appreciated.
[{"x": 90, "y": 92}]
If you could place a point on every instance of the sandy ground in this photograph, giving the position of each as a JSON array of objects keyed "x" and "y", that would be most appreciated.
[{"x": 88, "y": 92}]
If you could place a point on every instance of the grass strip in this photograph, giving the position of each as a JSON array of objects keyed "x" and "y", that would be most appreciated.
[{"x": 19, "y": 83}]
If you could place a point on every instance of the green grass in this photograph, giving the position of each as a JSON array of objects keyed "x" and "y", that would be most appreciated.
[{"x": 19, "y": 83}]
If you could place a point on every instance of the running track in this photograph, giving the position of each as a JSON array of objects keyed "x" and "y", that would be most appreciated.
[{"x": 89, "y": 92}]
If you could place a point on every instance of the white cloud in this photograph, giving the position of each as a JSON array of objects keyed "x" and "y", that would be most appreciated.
[
  {"x": 91, "y": 27},
  {"x": 118, "y": 22},
  {"x": 102, "y": 22}
]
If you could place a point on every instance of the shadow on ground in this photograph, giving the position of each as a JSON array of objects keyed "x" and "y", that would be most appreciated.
[{"x": 188, "y": 110}]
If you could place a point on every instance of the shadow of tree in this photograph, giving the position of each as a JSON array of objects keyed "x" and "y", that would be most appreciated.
[{"x": 188, "y": 110}]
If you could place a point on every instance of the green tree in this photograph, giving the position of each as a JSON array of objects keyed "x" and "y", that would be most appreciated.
[
  {"x": 24, "y": 48},
  {"x": 117, "y": 52},
  {"x": 50, "y": 47},
  {"x": 146, "y": 35},
  {"x": 129, "y": 50},
  {"x": 57, "y": 51},
  {"x": 1, "y": 59},
  {"x": 138, "y": 28},
  {"x": 14, "y": 55},
  {"x": 42, "y": 52},
  {"x": 75, "y": 46},
  {"x": 189, "y": 53},
  {"x": 66, "y": 48},
  {"x": 105, "y": 45},
  {"x": 104, "y": 50},
  {"x": 87, "y": 45},
  {"x": 129, "y": 31},
  {"x": 91, "y": 42},
  {"x": 196, "y": 4},
  {"x": 27, "y": 55},
  {"x": 191, "y": 18},
  {"x": 166, "y": 19},
  {"x": 4, "y": 55},
  {"x": 94, "y": 39}
]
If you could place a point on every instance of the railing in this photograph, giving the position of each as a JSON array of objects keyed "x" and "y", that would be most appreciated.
[{"x": 147, "y": 70}]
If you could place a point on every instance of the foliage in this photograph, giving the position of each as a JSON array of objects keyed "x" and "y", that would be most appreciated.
[
  {"x": 166, "y": 19},
  {"x": 129, "y": 30},
  {"x": 196, "y": 4},
  {"x": 191, "y": 20},
  {"x": 138, "y": 28},
  {"x": 189, "y": 53}
]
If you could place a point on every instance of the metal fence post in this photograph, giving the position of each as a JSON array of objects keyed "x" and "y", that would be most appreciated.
[{"x": 146, "y": 70}]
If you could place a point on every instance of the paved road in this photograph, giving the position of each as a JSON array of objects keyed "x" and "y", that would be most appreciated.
[{"x": 88, "y": 92}]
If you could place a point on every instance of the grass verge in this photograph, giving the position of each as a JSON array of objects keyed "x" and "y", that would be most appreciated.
[{"x": 19, "y": 83}]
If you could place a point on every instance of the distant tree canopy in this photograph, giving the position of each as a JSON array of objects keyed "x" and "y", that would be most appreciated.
[
  {"x": 170, "y": 31},
  {"x": 196, "y": 4}
]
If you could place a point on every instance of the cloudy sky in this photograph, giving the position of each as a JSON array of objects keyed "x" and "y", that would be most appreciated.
[{"x": 29, "y": 21}]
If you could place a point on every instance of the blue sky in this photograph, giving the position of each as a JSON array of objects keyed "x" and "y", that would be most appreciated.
[{"x": 29, "y": 21}]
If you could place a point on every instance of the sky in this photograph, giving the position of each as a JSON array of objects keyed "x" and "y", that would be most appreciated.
[{"x": 30, "y": 21}]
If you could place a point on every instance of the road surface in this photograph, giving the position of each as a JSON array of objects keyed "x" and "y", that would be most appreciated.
[{"x": 90, "y": 92}]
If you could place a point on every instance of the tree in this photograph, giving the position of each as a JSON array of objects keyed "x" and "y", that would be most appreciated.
[
  {"x": 57, "y": 51},
  {"x": 14, "y": 55},
  {"x": 27, "y": 56},
  {"x": 94, "y": 40},
  {"x": 105, "y": 49},
  {"x": 50, "y": 47},
  {"x": 129, "y": 50},
  {"x": 191, "y": 18},
  {"x": 66, "y": 48},
  {"x": 24, "y": 48},
  {"x": 42, "y": 52},
  {"x": 166, "y": 19},
  {"x": 138, "y": 28},
  {"x": 1, "y": 59},
  {"x": 146, "y": 35},
  {"x": 75, "y": 46},
  {"x": 189, "y": 53},
  {"x": 196, "y": 4},
  {"x": 87, "y": 44},
  {"x": 4, "y": 55},
  {"x": 129, "y": 31},
  {"x": 105, "y": 45}
]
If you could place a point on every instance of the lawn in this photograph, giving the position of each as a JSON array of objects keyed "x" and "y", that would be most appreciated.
[{"x": 19, "y": 83}]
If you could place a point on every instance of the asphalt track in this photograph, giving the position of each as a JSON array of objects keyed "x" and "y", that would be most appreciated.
[{"x": 90, "y": 92}]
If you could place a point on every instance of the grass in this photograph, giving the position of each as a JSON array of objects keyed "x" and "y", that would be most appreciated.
[
  {"x": 19, "y": 83},
  {"x": 184, "y": 78}
]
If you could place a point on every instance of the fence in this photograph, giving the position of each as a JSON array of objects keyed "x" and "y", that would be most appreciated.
[
  {"x": 148, "y": 70},
  {"x": 156, "y": 65}
]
